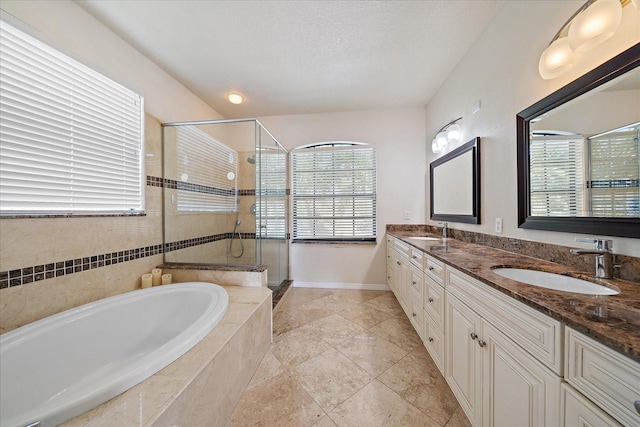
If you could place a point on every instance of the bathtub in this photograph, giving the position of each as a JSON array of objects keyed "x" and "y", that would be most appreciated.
[{"x": 59, "y": 367}]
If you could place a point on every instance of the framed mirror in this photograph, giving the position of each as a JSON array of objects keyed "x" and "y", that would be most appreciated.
[
  {"x": 455, "y": 185},
  {"x": 579, "y": 151}
]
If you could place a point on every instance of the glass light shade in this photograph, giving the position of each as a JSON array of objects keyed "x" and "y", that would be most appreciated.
[
  {"x": 454, "y": 132},
  {"x": 636, "y": 3},
  {"x": 235, "y": 98},
  {"x": 556, "y": 59},
  {"x": 434, "y": 146},
  {"x": 595, "y": 24}
]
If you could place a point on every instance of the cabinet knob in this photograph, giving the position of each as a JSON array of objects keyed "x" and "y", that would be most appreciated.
[
  {"x": 414, "y": 257},
  {"x": 481, "y": 343},
  {"x": 430, "y": 268},
  {"x": 398, "y": 262},
  {"x": 430, "y": 339},
  {"x": 430, "y": 299},
  {"x": 637, "y": 405},
  {"x": 414, "y": 315},
  {"x": 474, "y": 335},
  {"x": 388, "y": 277},
  {"x": 413, "y": 282}
]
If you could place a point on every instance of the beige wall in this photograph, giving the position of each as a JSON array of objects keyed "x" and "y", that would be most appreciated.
[
  {"x": 399, "y": 137},
  {"x": 501, "y": 71}
]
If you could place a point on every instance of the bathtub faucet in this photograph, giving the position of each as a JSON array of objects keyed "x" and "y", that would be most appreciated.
[{"x": 603, "y": 253}]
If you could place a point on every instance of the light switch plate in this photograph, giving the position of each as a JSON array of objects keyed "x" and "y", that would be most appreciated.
[
  {"x": 407, "y": 215},
  {"x": 499, "y": 225}
]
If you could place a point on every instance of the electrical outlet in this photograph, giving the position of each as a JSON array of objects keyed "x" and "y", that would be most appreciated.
[
  {"x": 499, "y": 225},
  {"x": 407, "y": 215}
]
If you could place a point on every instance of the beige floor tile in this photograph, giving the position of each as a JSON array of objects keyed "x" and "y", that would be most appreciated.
[
  {"x": 334, "y": 302},
  {"x": 387, "y": 303},
  {"x": 371, "y": 352},
  {"x": 296, "y": 297},
  {"x": 280, "y": 401},
  {"x": 377, "y": 405},
  {"x": 364, "y": 315},
  {"x": 330, "y": 378},
  {"x": 268, "y": 368},
  {"x": 298, "y": 346},
  {"x": 335, "y": 329},
  {"x": 325, "y": 422},
  {"x": 288, "y": 319},
  {"x": 417, "y": 380},
  {"x": 459, "y": 419},
  {"x": 399, "y": 331}
]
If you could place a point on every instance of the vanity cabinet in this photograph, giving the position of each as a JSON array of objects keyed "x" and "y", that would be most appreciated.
[
  {"x": 506, "y": 362},
  {"x": 604, "y": 376},
  {"x": 496, "y": 381}
]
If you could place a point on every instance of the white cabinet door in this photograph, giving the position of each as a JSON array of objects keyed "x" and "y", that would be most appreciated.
[
  {"x": 577, "y": 411},
  {"x": 463, "y": 364},
  {"x": 517, "y": 389},
  {"x": 402, "y": 278}
]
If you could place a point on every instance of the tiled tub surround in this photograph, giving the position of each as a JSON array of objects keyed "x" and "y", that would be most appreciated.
[
  {"x": 204, "y": 385},
  {"x": 613, "y": 320},
  {"x": 226, "y": 275},
  {"x": 629, "y": 266}
]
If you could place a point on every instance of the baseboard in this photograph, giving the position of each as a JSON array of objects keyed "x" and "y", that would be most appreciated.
[{"x": 354, "y": 286}]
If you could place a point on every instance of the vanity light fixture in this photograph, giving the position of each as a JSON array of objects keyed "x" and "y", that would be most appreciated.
[
  {"x": 592, "y": 24},
  {"x": 449, "y": 133},
  {"x": 235, "y": 98}
]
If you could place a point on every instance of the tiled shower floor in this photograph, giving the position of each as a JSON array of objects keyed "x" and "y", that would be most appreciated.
[{"x": 345, "y": 358}]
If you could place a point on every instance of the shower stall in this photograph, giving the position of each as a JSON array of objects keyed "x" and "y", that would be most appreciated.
[{"x": 226, "y": 196}]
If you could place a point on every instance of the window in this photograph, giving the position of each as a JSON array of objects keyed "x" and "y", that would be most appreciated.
[
  {"x": 557, "y": 182},
  {"x": 70, "y": 139},
  {"x": 334, "y": 192},
  {"x": 614, "y": 173},
  {"x": 271, "y": 200},
  {"x": 206, "y": 171}
]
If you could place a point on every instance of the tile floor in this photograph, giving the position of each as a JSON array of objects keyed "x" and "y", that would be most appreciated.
[{"x": 345, "y": 358}]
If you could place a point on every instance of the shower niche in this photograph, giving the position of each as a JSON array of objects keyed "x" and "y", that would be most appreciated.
[{"x": 225, "y": 189}]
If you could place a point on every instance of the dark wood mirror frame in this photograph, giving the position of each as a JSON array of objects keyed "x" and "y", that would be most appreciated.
[
  {"x": 474, "y": 217},
  {"x": 621, "y": 227}
]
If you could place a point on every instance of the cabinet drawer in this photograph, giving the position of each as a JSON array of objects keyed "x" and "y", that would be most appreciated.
[
  {"x": 608, "y": 378},
  {"x": 416, "y": 258},
  {"x": 417, "y": 284},
  {"x": 536, "y": 332},
  {"x": 402, "y": 247},
  {"x": 433, "y": 341},
  {"x": 579, "y": 411},
  {"x": 434, "y": 269},
  {"x": 434, "y": 301},
  {"x": 416, "y": 315}
]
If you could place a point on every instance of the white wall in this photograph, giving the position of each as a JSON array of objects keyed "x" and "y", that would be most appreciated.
[
  {"x": 399, "y": 137},
  {"x": 501, "y": 70}
]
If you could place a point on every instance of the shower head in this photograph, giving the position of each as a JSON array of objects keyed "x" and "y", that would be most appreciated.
[{"x": 252, "y": 159}]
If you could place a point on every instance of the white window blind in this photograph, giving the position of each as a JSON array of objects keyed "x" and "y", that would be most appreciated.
[
  {"x": 334, "y": 193},
  {"x": 615, "y": 173},
  {"x": 203, "y": 166},
  {"x": 70, "y": 138},
  {"x": 557, "y": 181},
  {"x": 271, "y": 206}
]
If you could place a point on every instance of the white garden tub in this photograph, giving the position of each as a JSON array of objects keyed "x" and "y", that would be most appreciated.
[{"x": 59, "y": 367}]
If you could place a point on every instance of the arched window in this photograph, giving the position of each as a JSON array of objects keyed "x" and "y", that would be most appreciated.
[{"x": 334, "y": 192}]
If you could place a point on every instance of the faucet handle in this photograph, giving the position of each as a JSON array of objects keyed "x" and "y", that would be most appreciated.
[{"x": 601, "y": 244}]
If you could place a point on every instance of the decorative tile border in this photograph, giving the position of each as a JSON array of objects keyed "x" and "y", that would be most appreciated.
[
  {"x": 22, "y": 276},
  {"x": 155, "y": 181}
]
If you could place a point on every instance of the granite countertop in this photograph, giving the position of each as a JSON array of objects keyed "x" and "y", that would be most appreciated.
[{"x": 613, "y": 320}]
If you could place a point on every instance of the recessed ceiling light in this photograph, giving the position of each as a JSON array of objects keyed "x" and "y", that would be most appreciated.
[{"x": 235, "y": 98}]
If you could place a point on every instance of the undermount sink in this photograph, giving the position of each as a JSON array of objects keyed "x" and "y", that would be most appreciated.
[
  {"x": 424, "y": 238},
  {"x": 554, "y": 281}
]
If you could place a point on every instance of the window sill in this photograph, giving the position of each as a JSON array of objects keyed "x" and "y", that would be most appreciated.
[
  {"x": 336, "y": 242},
  {"x": 97, "y": 215}
]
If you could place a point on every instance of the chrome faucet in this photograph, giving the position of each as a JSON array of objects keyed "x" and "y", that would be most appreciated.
[
  {"x": 603, "y": 253},
  {"x": 444, "y": 228}
]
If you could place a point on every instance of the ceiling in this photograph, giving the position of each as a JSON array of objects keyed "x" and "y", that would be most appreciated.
[{"x": 294, "y": 57}]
